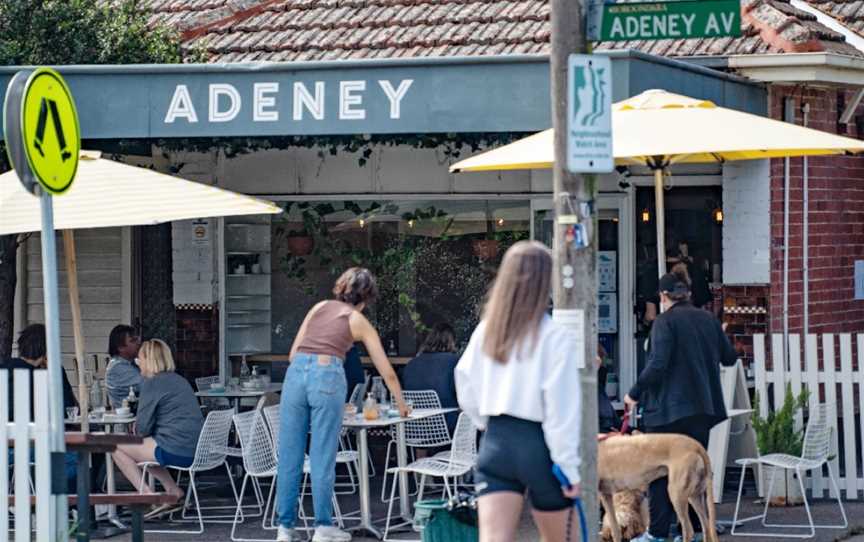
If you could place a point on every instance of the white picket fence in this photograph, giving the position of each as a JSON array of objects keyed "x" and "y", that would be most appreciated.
[
  {"x": 25, "y": 435},
  {"x": 840, "y": 382}
]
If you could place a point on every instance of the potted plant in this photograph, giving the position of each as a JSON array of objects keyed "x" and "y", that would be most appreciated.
[{"x": 776, "y": 434}]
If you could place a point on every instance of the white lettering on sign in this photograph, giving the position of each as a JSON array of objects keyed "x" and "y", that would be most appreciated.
[
  {"x": 395, "y": 96},
  {"x": 181, "y": 106},
  {"x": 263, "y": 102},
  {"x": 302, "y": 98},
  {"x": 218, "y": 90},
  {"x": 225, "y": 102},
  {"x": 348, "y": 98},
  {"x": 651, "y": 26}
]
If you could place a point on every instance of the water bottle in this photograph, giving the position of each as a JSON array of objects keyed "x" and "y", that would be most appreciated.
[
  {"x": 97, "y": 400},
  {"x": 379, "y": 391},
  {"x": 244, "y": 370}
]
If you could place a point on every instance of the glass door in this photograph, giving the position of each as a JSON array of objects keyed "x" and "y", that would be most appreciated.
[{"x": 615, "y": 324}]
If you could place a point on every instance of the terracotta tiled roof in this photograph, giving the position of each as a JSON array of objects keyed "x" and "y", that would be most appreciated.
[
  {"x": 848, "y": 13},
  {"x": 297, "y": 30},
  {"x": 287, "y": 30},
  {"x": 768, "y": 26}
]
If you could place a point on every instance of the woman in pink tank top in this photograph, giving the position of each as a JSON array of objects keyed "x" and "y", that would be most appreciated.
[{"x": 313, "y": 399}]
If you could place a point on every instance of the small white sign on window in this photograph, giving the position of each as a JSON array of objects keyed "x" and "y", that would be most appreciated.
[{"x": 859, "y": 279}]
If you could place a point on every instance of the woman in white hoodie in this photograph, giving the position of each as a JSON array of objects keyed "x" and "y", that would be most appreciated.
[{"x": 518, "y": 380}]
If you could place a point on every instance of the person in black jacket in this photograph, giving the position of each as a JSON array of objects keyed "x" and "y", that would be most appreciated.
[
  {"x": 433, "y": 369},
  {"x": 679, "y": 390}
]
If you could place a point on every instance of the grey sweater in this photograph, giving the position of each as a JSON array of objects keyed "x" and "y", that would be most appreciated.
[
  {"x": 168, "y": 411},
  {"x": 121, "y": 375}
]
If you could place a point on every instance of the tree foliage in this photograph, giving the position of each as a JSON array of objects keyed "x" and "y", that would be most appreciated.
[
  {"x": 53, "y": 32},
  {"x": 57, "y": 32}
]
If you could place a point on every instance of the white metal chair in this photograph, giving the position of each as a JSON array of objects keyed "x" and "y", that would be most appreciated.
[
  {"x": 259, "y": 460},
  {"x": 463, "y": 455},
  {"x": 273, "y": 418},
  {"x": 817, "y": 446},
  {"x": 209, "y": 455},
  {"x": 425, "y": 433}
]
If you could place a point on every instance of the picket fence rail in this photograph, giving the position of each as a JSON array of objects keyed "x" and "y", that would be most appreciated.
[
  {"x": 30, "y": 447},
  {"x": 831, "y": 367}
]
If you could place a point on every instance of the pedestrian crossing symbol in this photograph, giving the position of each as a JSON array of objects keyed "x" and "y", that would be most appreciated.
[{"x": 49, "y": 130}]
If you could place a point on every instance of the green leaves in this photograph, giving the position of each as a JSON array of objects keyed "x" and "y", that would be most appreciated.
[
  {"x": 34, "y": 32},
  {"x": 776, "y": 433}
]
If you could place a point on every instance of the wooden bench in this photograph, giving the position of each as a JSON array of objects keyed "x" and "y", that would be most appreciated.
[{"x": 137, "y": 502}]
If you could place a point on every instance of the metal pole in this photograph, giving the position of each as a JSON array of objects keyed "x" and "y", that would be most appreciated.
[
  {"x": 55, "y": 364},
  {"x": 575, "y": 280},
  {"x": 660, "y": 219}
]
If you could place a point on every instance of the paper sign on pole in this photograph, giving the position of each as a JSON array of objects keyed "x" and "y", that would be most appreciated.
[{"x": 589, "y": 114}]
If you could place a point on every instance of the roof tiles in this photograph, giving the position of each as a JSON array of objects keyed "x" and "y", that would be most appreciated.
[{"x": 301, "y": 30}]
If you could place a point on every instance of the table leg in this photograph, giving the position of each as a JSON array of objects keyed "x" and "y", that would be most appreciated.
[
  {"x": 83, "y": 477},
  {"x": 365, "y": 504},
  {"x": 112, "y": 486},
  {"x": 402, "y": 461},
  {"x": 137, "y": 524}
]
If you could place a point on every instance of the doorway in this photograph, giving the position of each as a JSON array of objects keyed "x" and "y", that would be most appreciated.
[{"x": 615, "y": 319}]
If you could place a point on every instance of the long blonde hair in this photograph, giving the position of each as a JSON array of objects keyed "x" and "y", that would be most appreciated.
[
  {"x": 518, "y": 299},
  {"x": 155, "y": 357}
]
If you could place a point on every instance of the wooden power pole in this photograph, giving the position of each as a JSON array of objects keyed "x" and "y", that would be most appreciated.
[{"x": 575, "y": 279}]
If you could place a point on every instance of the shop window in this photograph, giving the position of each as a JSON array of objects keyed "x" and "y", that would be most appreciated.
[{"x": 433, "y": 260}]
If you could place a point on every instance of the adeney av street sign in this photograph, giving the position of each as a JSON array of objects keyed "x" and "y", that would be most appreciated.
[{"x": 664, "y": 20}]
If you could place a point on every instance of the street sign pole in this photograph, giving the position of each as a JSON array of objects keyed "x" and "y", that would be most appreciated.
[
  {"x": 574, "y": 279},
  {"x": 55, "y": 364}
]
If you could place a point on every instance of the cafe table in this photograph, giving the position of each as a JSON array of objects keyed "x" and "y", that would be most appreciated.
[
  {"x": 361, "y": 426},
  {"x": 108, "y": 422},
  {"x": 238, "y": 393}
]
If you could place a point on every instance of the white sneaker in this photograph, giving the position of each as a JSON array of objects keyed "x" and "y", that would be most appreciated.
[
  {"x": 330, "y": 534},
  {"x": 284, "y": 534}
]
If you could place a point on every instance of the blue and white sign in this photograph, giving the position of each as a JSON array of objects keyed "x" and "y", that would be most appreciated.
[
  {"x": 589, "y": 114},
  {"x": 859, "y": 279}
]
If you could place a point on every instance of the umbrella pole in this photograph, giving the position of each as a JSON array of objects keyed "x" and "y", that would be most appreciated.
[
  {"x": 75, "y": 305},
  {"x": 660, "y": 215}
]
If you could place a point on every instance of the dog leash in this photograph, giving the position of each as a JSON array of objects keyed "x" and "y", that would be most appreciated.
[{"x": 577, "y": 504}]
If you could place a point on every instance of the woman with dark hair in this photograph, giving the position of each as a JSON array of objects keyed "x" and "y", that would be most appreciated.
[
  {"x": 518, "y": 380},
  {"x": 433, "y": 369},
  {"x": 33, "y": 356},
  {"x": 313, "y": 397},
  {"x": 679, "y": 389}
]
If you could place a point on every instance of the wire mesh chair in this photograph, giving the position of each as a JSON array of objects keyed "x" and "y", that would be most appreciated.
[
  {"x": 463, "y": 455},
  {"x": 209, "y": 454},
  {"x": 259, "y": 459},
  {"x": 817, "y": 448},
  {"x": 272, "y": 417},
  {"x": 429, "y": 432}
]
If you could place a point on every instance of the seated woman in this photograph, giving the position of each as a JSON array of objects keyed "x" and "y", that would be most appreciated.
[
  {"x": 168, "y": 417},
  {"x": 433, "y": 369}
]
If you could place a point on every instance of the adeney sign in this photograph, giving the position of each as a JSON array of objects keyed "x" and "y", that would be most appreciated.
[
  {"x": 309, "y": 99},
  {"x": 665, "y": 20}
]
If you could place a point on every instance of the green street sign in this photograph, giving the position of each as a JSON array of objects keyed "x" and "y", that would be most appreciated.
[{"x": 665, "y": 20}]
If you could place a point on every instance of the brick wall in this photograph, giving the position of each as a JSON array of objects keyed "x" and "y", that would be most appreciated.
[
  {"x": 836, "y": 222},
  {"x": 197, "y": 352}
]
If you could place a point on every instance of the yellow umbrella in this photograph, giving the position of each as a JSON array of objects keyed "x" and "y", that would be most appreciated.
[
  {"x": 658, "y": 128},
  {"x": 105, "y": 194}
]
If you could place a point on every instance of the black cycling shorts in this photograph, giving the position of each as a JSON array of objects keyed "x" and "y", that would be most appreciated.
[{"x": 514, "y": 457}]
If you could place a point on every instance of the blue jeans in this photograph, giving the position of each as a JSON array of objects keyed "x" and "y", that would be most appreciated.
[{"x": 313, "y": 393}]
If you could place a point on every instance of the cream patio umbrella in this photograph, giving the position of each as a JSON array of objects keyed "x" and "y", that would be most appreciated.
[
  {"x": 110, "y": 194},
  {"x": 658, "y": 129}
]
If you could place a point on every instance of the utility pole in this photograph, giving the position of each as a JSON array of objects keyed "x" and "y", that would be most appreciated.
[{"x": 575, "y": 280}]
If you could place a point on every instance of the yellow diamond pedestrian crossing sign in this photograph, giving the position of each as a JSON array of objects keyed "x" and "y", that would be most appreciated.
[{"x": 41, "y": 129}]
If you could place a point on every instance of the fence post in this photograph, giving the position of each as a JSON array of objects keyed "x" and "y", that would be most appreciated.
[
  {"x": 4, "y": 452},
  {"x": 43, "y": 458},
  {"x": 22, "y": 455},
  {"x": 849, "y": 444}
]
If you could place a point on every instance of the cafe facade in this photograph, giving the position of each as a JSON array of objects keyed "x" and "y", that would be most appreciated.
[{"x": 357, "y": 154}]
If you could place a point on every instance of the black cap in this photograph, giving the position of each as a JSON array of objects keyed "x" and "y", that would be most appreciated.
[{"x": 671, "y": 283}]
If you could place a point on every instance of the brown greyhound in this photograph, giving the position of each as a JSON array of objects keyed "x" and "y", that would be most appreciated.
[{"x": 626, "y": 463}]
